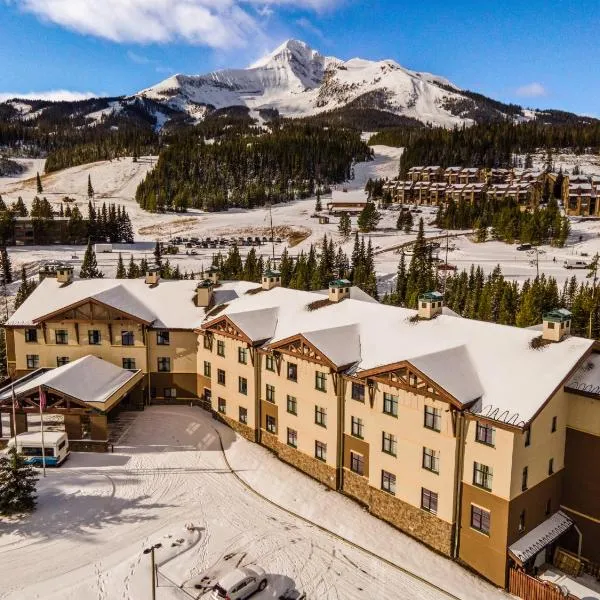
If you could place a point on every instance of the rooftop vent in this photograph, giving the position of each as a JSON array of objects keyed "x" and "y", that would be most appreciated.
[
  {"x": 339, "y": 289},
  {"x": 152, "y": 274},
  {"x": 430, "y": 305},
  {"x": 271, "y": 279},
  {"x": 204, "y": 291},
  {"x": 556, "y": 324}
]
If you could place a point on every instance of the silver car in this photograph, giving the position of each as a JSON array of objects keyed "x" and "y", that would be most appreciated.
[{"x": 240, "y": 583}]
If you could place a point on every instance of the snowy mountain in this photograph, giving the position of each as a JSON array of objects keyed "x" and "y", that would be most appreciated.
[{"x": 294, "y": 81}]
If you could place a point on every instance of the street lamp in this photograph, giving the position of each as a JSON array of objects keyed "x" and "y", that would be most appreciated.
[{"x": 151, "y": 552}]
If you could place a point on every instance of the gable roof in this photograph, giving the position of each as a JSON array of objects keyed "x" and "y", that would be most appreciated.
[{"x": 168, "y": 305}]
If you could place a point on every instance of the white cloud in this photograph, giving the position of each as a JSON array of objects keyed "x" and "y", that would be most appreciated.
[
  {"x": 307, "y": 25},
  {"x": 219, "y": 24},
  {"x": 138, "y": 59},
  {"x": 52, "y": 95},
  {"x": 531, "y": 90}
]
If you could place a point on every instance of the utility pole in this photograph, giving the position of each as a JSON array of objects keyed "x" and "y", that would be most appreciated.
[{"x": 154, "y": 571}]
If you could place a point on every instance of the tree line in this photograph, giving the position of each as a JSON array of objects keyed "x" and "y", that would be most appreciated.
[{"x": 289, "y": 161}]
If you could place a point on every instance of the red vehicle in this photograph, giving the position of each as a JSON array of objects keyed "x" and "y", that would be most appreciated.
[{"x": 446, "y": 267}]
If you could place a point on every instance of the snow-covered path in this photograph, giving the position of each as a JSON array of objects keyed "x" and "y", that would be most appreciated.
[{"x": 97, "y": 513}]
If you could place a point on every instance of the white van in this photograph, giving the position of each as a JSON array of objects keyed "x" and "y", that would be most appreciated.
[
  {"x": 56, "y": 447},
  {"x": 571, "y": 263}
]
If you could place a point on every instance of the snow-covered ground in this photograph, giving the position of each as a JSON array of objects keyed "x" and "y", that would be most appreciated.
[
  {"x": 171, "y": 485},
  {"x": 116, "y": 181}
]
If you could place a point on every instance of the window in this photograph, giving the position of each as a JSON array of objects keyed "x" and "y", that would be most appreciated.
[
  {"x": 162, "y": 338},
  {"x": 206, "y": 369},
  {"x": 524, "y": 479},
  {"x": 550, "y": 325},
  {"x": 321, "y": 381},
  {"x": 292, "y": 438},
  {"x": 358, "y": 391},
  {"x": 94, "y": 337},
  {"x": 482, "y": 476},
  {"x": 390, "y": 404},
  {"x": 548, "y": 506},
  {"x": 270, "y": 393},
  {"x": 164, "y": 364},
  {"x": 269, "y": 362},
  {"x": 220, "y": 376},
  {"x": 321, "y": 416},
  {"x": 243, "y": 385},
  {"x": 388, "y": 443},
  {"x": 220, "y": 347},
  {"x": 129, "y": 363},
  {"x": 271, "y": 423},
  {"x": 357, "y": 463},
  {"x": 433, "y": 418},
  {"x": 554, "y": 421},
  {"x": 221, "y": 405},
  {"x": 527, "y": 437},
  {"x": 243, "y": 415},
  {"x": 292, "y": 371},
  {"x": 429, "y": 500},
  {"x": 243, "y": 355},
  {"x": 321, "y": 451},
  {"x": 62, "y": 360},
  {"x": 551, "y": 466},
  {"x": 431, "y": 460},
  {"x": 522, "y": 522},
  {"x": 170, "y": 392},
  {"x": 485, "y": 433},
  {"x": 388, "y": 482},
  {"x": 357, "y": 427},
  {"x": 33, "y": 361},
  {"x": 127, "y": 338},
  {"x": 480, "y": 519},
  {"x": 31, "y": 336},
  {"x": 207, "y": 343},
  {"x": 61, "y": 336},
  {"x": 292, "y": 405}
]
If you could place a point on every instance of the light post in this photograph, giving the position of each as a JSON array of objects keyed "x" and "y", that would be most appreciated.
[{"x": 151, "y": 552}]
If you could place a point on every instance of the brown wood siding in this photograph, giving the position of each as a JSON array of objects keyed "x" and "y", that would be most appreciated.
[
  {"x": 486, "y": 554},
  {"x": 186, "y": 384},
  {"x": 534, "y": 502},
  {"x": 270, "y": 409},
  {"x": 10, "y": 345},
  {"x": 352, "y": 444}
]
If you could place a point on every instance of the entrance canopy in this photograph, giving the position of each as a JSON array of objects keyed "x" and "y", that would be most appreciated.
[
  {"x": 88, "y": 381},
  {"x": 540, "y": 537}
]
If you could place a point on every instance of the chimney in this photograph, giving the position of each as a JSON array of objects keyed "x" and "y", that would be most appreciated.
[
  {"x": 64, "y": 274},
  {"x": 271, "y": 279},
  {"x": 204, "y": 292},
  {"x": 153, "y": 275},
  {"x": 556, "y": 324},
  {"x": 430, "y": 305},
  {"x": 212, "y": 274},
  {"x": 339, "y": 289}
]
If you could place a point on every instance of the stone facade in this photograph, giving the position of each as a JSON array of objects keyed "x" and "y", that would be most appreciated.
[
  {"x": 307, "y": 464},
  {"x": 243, "y": 430},
  {"x": 417, "y": 523}
]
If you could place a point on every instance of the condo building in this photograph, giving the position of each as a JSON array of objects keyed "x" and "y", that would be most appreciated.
[{"x": 472, "y": 437}]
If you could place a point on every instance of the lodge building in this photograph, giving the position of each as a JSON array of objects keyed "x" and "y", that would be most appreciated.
[{"x": 472, "y": 437}]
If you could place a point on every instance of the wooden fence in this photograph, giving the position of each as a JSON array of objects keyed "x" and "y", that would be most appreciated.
[{"x": 529, "y": 588}]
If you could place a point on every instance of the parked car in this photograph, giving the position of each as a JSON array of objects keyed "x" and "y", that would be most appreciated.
[
  {"x": 576, "y": 264},
  {"x": 521, "y": 247},
  {"x": 446, "y": 267},
  {"x": 240, "y": 583}
]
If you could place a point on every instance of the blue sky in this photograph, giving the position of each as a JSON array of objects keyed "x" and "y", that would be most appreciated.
[{"x": 539, "y": 53}]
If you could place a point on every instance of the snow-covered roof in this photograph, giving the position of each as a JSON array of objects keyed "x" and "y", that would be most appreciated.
[
  {"x": 587, "y": 378},
  {"x": 541, "y": 536},
  {"x": 50, "y": 437},
  {"x": 350, "y": 196},
  {"x": 494, "y": 365},
  {"x": 169, "y": 305},
  {"x": 89, "y": 378}
]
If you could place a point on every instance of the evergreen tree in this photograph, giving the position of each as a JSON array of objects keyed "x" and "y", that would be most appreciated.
[
  {"x": 2, "y": 205},
  {"x": 133, "y": 271},
  {"x": 345, "y": 226},
  {"x": 89, "y": 267},
  {"x": 408, "y": 222},
  {"x": 318, "y": 207},
  {"x": 7, "y": 275},
  {"x": 19, "y": 208},
  {"x": 17, "y": 484},
  {"x": 38, "y": 183},
  {"x": 121, "y": 271},
  {"x": 157, "y": 254},
  {"x": 25, "y": 289},
  {"x": 369, "y": 218},
  {"x": 90, "y": 189}
]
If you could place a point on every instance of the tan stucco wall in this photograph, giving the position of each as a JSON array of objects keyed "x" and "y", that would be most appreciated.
[
  {"x": 583, "y": 414},
  {"x": 307, "y": 397},
  {"x": 181, "y": 350},
  {"x": 411, "y": 437}
]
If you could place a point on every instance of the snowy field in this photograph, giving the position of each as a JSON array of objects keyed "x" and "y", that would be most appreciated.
[
  {"x": 210, "y": 510},
  {"x": 116, "y": 181}
]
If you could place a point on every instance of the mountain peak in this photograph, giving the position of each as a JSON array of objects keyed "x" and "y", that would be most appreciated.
[{"x": 289, "y": 50}]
